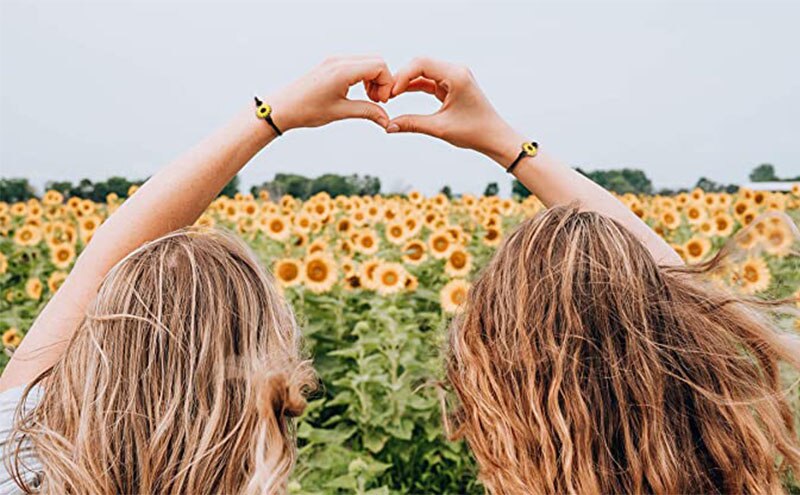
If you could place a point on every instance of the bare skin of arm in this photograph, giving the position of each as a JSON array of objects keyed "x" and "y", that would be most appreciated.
[
  {"x": 468, "y": 120},
  {"x": 179, "y": 193}
]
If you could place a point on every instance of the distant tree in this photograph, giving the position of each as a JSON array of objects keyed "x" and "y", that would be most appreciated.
[
  {"x": 231, "y": 188},
  {"x": 764, "y": 173},
  {"x": 709, "y": 185},
  {"x": 621, "y": 181},
  {"x": 332, "y": 184},
  {"x": 517, "y": 189},
  {"x": 367, "y": 185},
  {"x": 447, "y": 191},
  {"x": 16, "y": 189},
  {"x": 64, "y": 187},
  {"x": 303, "y": 188},
  {"x": 491, "y": 189}
]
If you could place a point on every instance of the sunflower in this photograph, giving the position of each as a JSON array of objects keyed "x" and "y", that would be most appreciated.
[
  {"x": 389, "y": 278},
  {"x": 19, "y": 209},
  {"x": 205, "y": 221},
  {"x": 696, "y": 249},
  {"x": 740, "y": 207},
  {"x": 28, "y": 235},
  {"x": 396, "y": 232},
  {"x": 415, "y": 197},
  {"x": 746, "y": 238},
  {"x": 670, "y": 218},
  {"x": 414, "y": 252},
  {"x": 288, "y": 272},
  {"x": 55, "y": 280},
  {"x": 348, "y": 266},
  {"x": 492, "y": 237},
  {"x": 11, "y": 338},
  {"x": 453, "y": 295},
  {"x": 3, "y": 263},
  {"x": 695, "y": 214},
  {"x": 319, "y": 245},
  {"x": 52, "y": 197},
  {"x": 777, "y": 240},
  {"x": 33, "y": 288},
  {"x": 366, "y": 242},
  {"x": 367, "y": 273},
  {"x": 277, "y": 227},
  {"x": 88, "y": 226},
  {"x": 458, "y": 263},
  {"x": 723, "y": 224},
  {"x": 319, "y": 272},
  {"x": 344, "y": 225},
  {"x": 440, "y": 244},
  {"x": 62, "y": 255},
  {"x": 753, "y": 275},
  {"x": 411, "y": 283}
]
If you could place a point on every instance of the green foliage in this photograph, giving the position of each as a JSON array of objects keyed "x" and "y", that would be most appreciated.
[
  {"x": 491, "y": 189},
  {"x": 15, "y": 189},
  {"x": 621, "y": 181},
  {"x": 764, "y": 173},
  {"x": 96, "y": 191},
  {"x": 303, "y": 187},
  {"x": 231, "y": 188},
  {"x": 709, "y": 185},
  {"x": 519, "y": 190},
  {"x": 447, "y": 191}
]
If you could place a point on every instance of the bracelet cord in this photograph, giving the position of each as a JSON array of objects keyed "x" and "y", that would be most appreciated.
[{"x": 264, "y": 111}]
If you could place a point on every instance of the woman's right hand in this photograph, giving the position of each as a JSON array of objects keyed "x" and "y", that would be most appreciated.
[
  {"x": 320, "y": 96},
  {"x": 466, "y": 118}
]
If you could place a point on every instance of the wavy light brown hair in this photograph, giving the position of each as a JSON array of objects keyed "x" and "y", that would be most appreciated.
[
  {"x": 182, "y": 378},
  {"x": 581, "y": 366}
]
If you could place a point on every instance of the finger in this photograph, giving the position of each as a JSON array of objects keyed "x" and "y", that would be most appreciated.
[
  {"x": 428, "y": 68},
  {"x": 373, "y": 70},
  {"x": 427, "y": 86},
  {"x": 421, "y": 124},
  {"x": 361, "y": 109}
]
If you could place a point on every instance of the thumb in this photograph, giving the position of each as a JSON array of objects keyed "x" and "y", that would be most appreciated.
[
  {"x": 360, "y": 109},
  {"x": 421, "y": 124}
]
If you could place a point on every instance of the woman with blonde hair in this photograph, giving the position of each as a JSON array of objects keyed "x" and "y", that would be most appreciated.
[
  {"x": 588, "y": 359},
  {"x": 167, "y": 362}
]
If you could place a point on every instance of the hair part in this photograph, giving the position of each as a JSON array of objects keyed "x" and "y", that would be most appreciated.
[{"x": 581, "y": 366}]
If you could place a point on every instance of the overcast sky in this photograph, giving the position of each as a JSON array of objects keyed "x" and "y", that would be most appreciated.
[{"x": 679, "y": 89}]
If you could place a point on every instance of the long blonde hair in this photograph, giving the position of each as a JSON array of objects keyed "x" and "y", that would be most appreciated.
[
  {"x": 182, "y": 378},
  {"x": 581, "y": 366}
]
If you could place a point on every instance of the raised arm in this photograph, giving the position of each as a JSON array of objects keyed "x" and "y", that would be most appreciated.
[
  {"x": 177, "y": 195},
  {"x": 468, "y": 120}
]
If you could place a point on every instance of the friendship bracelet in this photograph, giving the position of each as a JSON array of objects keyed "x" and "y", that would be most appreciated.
[
  {"x": 530, "y": 149},
  {"x": 264, "y": 111}
]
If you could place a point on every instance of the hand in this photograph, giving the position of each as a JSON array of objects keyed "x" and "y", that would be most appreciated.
[
  {"x": 466, "y": 118},
  {"x": 320, "y": 97}
]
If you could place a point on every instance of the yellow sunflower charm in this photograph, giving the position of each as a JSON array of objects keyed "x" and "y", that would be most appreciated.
[
  {"x": 263, "y": 111},
  {"x": 530, "y": 148}
]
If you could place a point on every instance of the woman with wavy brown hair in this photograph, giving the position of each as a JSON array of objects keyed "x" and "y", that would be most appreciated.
[
  {"x": 167, "y": 362},
  {"x": 588, "y": 359}
]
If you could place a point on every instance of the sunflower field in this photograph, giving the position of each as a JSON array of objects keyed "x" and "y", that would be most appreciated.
[{"x": 374, "y": 281}]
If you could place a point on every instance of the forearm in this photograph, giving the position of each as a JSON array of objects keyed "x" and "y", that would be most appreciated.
[
  {"x": 555, "y": 183},
  {"x": 173, "y": 198}
]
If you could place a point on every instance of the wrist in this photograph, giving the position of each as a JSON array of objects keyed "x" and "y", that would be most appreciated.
[{"x": 505, "y": 145}]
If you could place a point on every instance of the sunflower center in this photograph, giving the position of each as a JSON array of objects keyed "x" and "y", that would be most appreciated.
[
  {"x": 288, "y": 271},
  {"x": 458, "y": 259},
  {"x": 317, "y": 271},
  {"x": 390, "y": 278},
  {"x": 459, "y": 296},
  {"x": 440, "y": 244},
  {"x": 750, "y": 274}
]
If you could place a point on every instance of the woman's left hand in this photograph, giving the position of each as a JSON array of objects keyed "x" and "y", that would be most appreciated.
[{"x": 320, "y": 97}]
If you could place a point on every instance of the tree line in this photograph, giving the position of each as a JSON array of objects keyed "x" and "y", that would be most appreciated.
[{"x": 621, "y": 181}]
